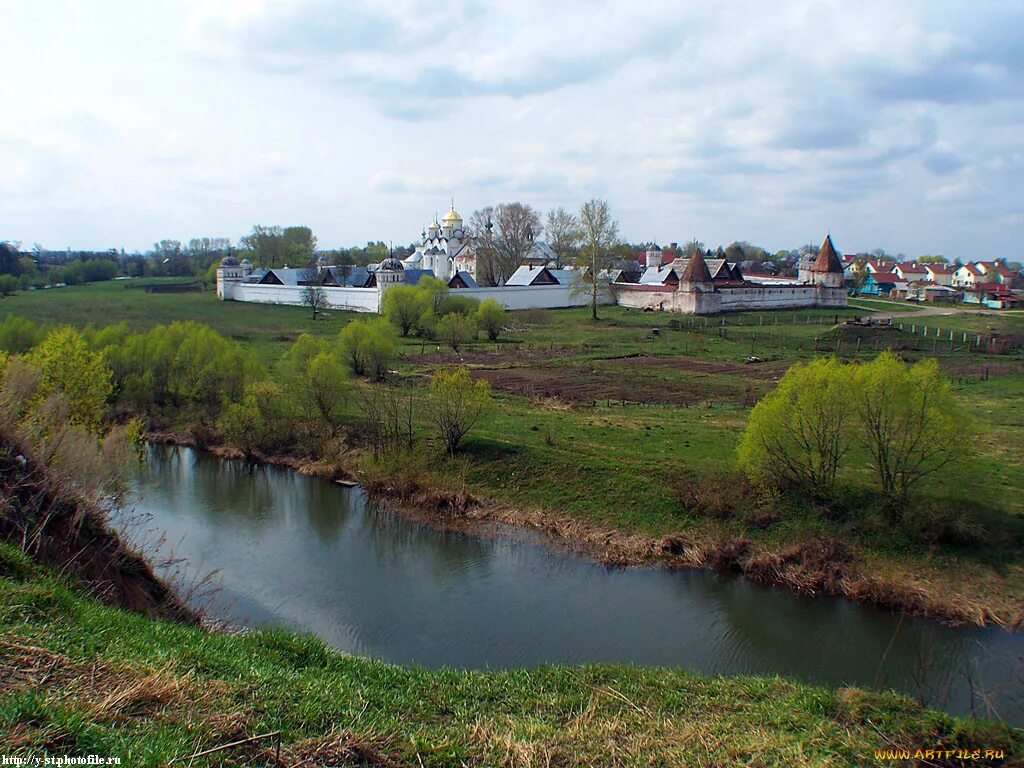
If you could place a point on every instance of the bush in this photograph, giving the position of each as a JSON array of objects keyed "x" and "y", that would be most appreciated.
[
  {"x": 18, "y": 335},
  {"x": 910, "y": 424},
  {"x": 455, "y": 330},
  {"x": 403, "y": 305},
  {"x": 67, "y": 366},
  {"x": 456, "y": 404},
  {"x": 797, "y": 436},
  {"x": 490, "y": 318},
  {"x": 721, "y": 494},
  {"x": 368, "y": 346},
  {"x": 8, "y": 285},
  {"x": 256, "y": 422}
]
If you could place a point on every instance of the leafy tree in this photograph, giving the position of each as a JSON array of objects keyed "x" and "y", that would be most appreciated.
[
  {"x": 9, "y": 258},
  {"x": 368, "y": 346},
  {"x": 455, "y": 404},
  {"x": 18, "y": 335},
  {"x": 251, "y": 423},
  {"x": 600, "y": 234},
  {"x": 403, "y": 306},
  {"x": 490, "y": 318},
  {"x": 67, "y": 365},
  {"x": 266, "y": 245},
  {"x": 910, "y": 424},
  {"x": 455, "y": 330},
  {"x": 8, "y": 285},
  {"x": 298, "y": 245},
  {"x": 320, "y": 383},
  {"x": 797, "y": 436}
]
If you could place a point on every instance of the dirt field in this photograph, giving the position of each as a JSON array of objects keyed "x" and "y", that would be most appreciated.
[{"x": 663, "y": 380}]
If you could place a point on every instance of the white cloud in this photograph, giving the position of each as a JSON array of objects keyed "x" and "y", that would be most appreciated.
[{"x": 747, "y": 121}]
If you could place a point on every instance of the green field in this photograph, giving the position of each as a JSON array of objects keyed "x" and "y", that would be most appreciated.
[
  {"x": 80, "y": 678},
  {"x": 604, "y": 422}
]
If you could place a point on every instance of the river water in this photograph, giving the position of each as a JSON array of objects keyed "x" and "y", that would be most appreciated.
[{"x": 311, "y": 555}]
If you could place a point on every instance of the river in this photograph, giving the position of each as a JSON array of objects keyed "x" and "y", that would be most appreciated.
[{"x": 308, "y": 554}]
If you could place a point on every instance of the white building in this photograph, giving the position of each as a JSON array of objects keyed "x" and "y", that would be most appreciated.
[{"x": 445, "y": 248}]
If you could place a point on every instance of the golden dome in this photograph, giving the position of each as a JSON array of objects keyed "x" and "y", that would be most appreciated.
[{"x": 452, "y": 216}]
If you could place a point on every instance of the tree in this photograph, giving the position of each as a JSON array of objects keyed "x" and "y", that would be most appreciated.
[
  {"x": 8, "y": 285},
  {"x": 455, "y": 404},
  {"x": 298, "y": 245},
  {"x": 563, "y": 235},
  {"x": 266, "y": 245},
  {"x": 910, "y": 424},
  {"x": 367, "y": 346},
  {"x": 18, "y": 335},
  {"x": 250, "y": 424},
  {"x": 403, "y": 305},
  {"x": 490, "y": 318},
  {"x": 694, "y": 246},
  {"x": 503, "y": 246},
  {"x": 320, "y": 383},
  {"x": 67, "y": 365},
  {"x": 797, "y": 436},
  {"x": 600, "y": 234},
  {"x": 9, "y": 258},
  {"x": 455, "y": 329},
  {"x": 313, "y": 295}
]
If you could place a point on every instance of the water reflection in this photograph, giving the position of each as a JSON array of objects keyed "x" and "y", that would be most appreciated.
[{"x": 314, "y": 556}]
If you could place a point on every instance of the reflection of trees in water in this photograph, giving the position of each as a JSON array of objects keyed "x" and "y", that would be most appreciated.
[
  {"x": 443, "y": 556},
  {"x": 770, "y": 631}
]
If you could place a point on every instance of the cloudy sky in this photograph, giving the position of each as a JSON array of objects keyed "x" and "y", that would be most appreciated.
[{"x": 892, "y": 124}]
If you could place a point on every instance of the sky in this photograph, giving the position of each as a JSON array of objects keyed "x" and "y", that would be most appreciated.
[{"x": 889, "y": 124}]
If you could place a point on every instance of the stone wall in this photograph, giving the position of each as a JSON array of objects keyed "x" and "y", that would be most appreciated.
[
  {"x": 740, "y": 299},
  {"x": 353, "y": 299}
]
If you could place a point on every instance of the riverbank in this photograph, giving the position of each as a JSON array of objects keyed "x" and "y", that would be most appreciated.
[
  {"x": 78, "y": 677},
  {"x": 816, "y": 566}
]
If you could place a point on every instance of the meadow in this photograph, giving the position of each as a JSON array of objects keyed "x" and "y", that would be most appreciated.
[{"x": 610, "y": 423}]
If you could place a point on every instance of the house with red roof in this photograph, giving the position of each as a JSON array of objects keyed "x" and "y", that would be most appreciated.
[{"x": 967, "y": 276}]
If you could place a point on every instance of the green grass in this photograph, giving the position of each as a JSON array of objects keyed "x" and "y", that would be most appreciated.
[
  {"x": 596, "y": 460},
  {"x": 81, "y": 678},
  {"x": 884, "y": 305}
]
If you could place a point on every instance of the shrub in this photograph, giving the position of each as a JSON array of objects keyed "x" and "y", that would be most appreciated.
[
  {"x": 403, "y": 305},
  {"x": 797, "y": 436},
  {"x": 455, "y": 330},
  {"x": 18, "y": 335},
  {"x": 8, "y": 285},
  {"x": 368, "y": 346},
  {"x": 67, "y": 365},
  {"x": 456, "y": 404},
  {"x": 910, "y": 424},
  {"x": 490, "y": 318}
]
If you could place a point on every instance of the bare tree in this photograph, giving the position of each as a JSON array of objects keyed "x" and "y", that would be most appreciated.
[
  {"x": 563, "y": 234},
  {"x": 600, "y": 234},
  {"x": 506, "y": 243},
  {"x": 313, "y": 295}
]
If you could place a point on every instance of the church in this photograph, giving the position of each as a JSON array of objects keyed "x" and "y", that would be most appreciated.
[{"x": 445, "y": 249}]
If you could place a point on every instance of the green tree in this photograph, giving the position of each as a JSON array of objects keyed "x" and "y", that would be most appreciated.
[
  {"x": 797, "y": 436},
  {"x": 455, "y": 330},
  {"x": 403, "y": 306},
  {"x": 8, "y": 285},
  {"x": 490, "y": 318},
  {"x": 320, "y": 383},
  {"x": 67, "y": 365},
  {"x": 910, "y": 424},
  {"x": 455, "y": 404},
  {"x": 250, "y": 423},
  {"x": 18, "y": 334},
  {"x": 368, "y": 346}
]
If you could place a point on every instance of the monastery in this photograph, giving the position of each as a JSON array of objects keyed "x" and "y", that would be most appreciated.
[{"x": 699, "y": 285}]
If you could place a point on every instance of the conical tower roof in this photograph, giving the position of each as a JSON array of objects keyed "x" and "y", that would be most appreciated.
[
  {"x": 696, "y": 270},
  {"x": 828, "y": 259}
]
